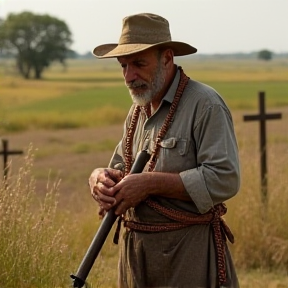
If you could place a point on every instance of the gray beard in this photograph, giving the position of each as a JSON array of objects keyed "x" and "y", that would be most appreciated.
[{"x": 142, "y": 99}]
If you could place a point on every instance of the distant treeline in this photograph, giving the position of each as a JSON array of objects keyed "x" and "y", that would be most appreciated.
[{"x": 251, "y": 55}]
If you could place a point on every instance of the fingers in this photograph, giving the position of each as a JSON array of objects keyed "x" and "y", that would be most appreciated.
[
  {"x": 122, "y": 207},
  {"x": 103, "y": 194},
  {"x": 108, "y": 177},
  {"x": 94, "y": 178},
  {"x": 115, "y": 175},
  {"x": 106, "y": 202},
  {"x": 102, "y": 212},
  {"x": 110, "y": 189},
  {"x": 103, "y": 179},
  {"x": 100, "y": 181}
]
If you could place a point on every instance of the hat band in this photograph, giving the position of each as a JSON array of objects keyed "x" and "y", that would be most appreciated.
[{"x": 144, "y": 38}]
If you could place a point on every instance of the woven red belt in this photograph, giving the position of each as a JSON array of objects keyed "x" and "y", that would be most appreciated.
[{"x": 184, "y": 219}]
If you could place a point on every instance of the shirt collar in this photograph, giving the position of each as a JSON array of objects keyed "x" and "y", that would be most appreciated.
[{"x": 169, "y": 96}]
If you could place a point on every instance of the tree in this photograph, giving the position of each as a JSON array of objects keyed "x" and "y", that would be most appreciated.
[
  {"x": 265, "y": 55},
  {"x": 35, "y": 41}
]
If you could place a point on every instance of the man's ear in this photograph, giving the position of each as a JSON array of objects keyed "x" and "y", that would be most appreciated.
[{"x": 168, "y": 57}]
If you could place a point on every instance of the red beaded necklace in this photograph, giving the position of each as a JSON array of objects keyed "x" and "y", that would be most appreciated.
[{"x": 162, "y": 131}]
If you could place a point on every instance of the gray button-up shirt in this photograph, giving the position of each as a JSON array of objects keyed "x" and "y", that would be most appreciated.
[{"x": 200, "y": 145}]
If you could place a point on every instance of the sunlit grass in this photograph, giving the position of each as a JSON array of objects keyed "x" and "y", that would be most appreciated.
[
  {"x": 42, "y": 243},
  {"x": 260, "y": 250},
  {"x": 33, "y": 239},
  {"x": 78, "y": 96},
  {"x": 60, "y": 148},
  {"x": 105, "y": 145},
  {"x": 240, "y": 70},
  {"x": 51, "y": 119}
]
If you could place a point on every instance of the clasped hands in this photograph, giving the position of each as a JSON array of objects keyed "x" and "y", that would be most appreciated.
[{"x": 110, "y": 189}]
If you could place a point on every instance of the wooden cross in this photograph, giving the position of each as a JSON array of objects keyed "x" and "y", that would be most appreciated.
[
  {"x": 5, "y": 152},
  {"x": 262, "y": 117}
]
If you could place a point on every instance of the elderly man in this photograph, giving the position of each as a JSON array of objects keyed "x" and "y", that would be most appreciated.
[{"x": 174, "y": 234}]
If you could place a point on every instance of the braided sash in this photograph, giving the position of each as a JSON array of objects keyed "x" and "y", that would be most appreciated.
[{"x": 185, "y": 219}]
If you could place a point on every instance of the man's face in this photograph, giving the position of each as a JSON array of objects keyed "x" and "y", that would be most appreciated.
[{"x": 144, "y": 75}]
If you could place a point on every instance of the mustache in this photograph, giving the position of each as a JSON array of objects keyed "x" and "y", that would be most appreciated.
[{"x": 136, "y": 84}]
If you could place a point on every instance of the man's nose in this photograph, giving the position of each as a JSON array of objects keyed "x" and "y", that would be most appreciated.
[{"x": 130, "y": 74}]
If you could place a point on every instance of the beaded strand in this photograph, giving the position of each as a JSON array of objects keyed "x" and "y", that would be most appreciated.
[{"x": 162, "y": 131}]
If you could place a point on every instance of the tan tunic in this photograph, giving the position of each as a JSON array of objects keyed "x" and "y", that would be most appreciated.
[{"x": 201, "y": 146}]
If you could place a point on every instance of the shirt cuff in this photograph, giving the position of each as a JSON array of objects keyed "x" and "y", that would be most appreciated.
[{"x": 194, "y": 184}]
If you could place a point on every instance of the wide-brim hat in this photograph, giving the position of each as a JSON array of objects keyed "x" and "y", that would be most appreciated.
[{"x": 141, "y": 32}]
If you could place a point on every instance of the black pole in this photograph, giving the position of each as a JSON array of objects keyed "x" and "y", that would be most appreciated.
[
  {"x": 263, "y": 147},
  {"x": 5, "y": 152},
  {"x": 80, "y": 277},
  {"x": 262, "y": 117},
  {"x": 5, "y": 158}
]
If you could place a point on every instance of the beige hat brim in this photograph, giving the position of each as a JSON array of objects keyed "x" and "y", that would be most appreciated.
[{"x": 115, "y": 50}]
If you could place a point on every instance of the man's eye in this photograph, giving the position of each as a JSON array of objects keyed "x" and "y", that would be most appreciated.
[
  {"x": 123, "y": 65},
  {"x": 139, "y": 64}
]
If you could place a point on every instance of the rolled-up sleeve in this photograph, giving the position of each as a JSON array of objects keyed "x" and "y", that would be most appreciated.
[{"x": 217, "y": 175}]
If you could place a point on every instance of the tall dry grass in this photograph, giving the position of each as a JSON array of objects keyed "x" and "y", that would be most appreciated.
[
  {"x": 32, "y": 236},
  {"x": 260, "y": 228},
  {"x": 33, "y": 242},
  {"x": 42, "y": 244}
]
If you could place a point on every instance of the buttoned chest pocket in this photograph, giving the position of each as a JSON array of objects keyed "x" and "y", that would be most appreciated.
[
  {"x": 178, "y": 146},
  {"x": 172, "y": 154}
]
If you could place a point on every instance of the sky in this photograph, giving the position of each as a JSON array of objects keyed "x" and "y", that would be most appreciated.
[{"x": 212, "y": 26}]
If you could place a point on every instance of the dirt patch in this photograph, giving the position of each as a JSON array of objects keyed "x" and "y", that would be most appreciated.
[{"x": 72, "y": 169}]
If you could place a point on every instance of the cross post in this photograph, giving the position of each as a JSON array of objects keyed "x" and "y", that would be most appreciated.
[
  {"x": 262, "y": 117},
  {"x": 5, "y": 152}
]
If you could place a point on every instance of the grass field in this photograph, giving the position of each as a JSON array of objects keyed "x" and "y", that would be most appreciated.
[
  {"x": 90, "y": 93},
  {"x": 47, "y": 218}
]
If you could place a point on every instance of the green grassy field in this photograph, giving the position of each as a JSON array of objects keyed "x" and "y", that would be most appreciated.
[
  {"x": 88, "y": 93},
  {"x": 69, "y": 123}
]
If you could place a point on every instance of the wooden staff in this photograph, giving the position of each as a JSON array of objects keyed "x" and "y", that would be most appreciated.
[{"x": 80, "y": 277}]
